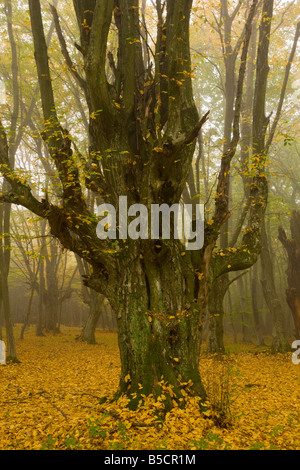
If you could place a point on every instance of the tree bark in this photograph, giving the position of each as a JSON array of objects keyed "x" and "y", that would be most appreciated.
[
  {"x": 216, "y": 315},
  {"x": 94, "y": 300},
  {"x": 279, "y": 342},
  {"x": 255, "y": 310},
  {"x": 51, "y": 294},
  {"x": 292, "y": 247},
  {"x": 233, "y": 101},
  {"x": 159, "y": 324},
  {"x": 6, "y": 208},
  {"x": 4, "y": 266},
  {"x": 231, "y": 320},
  {"x": 41, "y": 289},
  {"x": 88, "y": 331},
  {"x": 244, "y": 314}
]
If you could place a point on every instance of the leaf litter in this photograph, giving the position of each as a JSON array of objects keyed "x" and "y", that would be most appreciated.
[{"x": 52, "y": 400}]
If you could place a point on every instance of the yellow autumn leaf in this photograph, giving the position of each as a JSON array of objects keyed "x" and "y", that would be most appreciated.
[{"x": 60, "y": 409}]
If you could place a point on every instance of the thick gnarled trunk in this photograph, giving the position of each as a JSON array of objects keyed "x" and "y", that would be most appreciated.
[{"x": 159, "y": 325}]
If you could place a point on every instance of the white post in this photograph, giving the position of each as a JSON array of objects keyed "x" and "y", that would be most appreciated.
[
  {"x": 2, "y": 353},
  {"x": 2, "y": 92}
]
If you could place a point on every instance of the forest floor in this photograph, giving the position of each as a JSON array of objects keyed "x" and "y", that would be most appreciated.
[{"x": 51, "y": 401}]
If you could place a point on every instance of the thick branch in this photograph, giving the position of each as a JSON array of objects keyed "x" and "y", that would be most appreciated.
[
  {"x": 173, "y": 148},
  {"x": 283, "y": 89},
  {"x": 247, "y": 253},
  {"x": 181, "y": 110},
  {"x": 95, "y": 59},
  {"x": 262, "y": 70},
  {"x": 221, "y": 207},
  {"x": 57, "y": 139},
  {"x": 81, "y": 82},
  {"x": 84, "y": 10},
  {"x": 15, "y": 82},
  {"x": 41, "y": 56},
  {"x": 130, "y": 59}
]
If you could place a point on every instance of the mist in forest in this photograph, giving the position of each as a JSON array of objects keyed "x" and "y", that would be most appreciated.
[{"x": 174, "y": 106}]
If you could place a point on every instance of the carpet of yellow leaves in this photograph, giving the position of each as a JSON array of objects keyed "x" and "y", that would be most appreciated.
[{"x": 51, "y": 401}]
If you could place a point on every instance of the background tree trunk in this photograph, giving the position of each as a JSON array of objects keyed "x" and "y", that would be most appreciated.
[
  {"x": 95, "y": 302},
  {"x": 246, "y": 337},
  {"x": 4, "y": 268},
  {"x": 96, "y": 305},
  {"x": 255, "y": 310},
  {"x": 216, "y": 315},
  {"x": 279, "y": 342},
  {"x": 292, "y": 247},
  {"x": 51, "y": 297},
  {"x": 5, "y": 209}
]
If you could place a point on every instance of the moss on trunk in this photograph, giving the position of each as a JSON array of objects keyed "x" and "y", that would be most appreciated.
[{"x": 159, "y": 327}]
